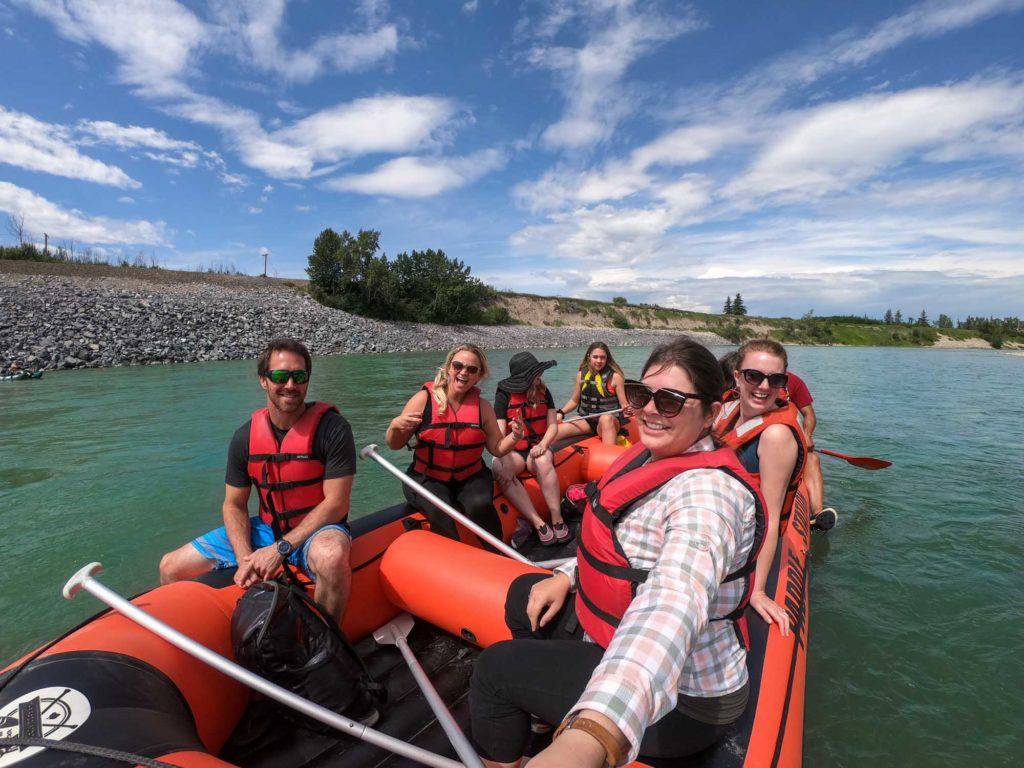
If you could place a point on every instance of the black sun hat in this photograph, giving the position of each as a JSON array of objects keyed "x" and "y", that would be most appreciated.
[{"x": 524, "y": 368}]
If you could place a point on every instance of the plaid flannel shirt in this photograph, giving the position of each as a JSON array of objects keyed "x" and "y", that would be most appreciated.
[{"x": 691, "y": 533}]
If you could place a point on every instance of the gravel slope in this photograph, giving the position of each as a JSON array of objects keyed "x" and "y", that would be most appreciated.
[{"x": 87, "y": 316}]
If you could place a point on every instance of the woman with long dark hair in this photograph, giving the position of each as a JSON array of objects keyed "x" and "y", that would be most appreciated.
[
  {"x": 597, "y": 390},
  {"x": 644, "y": 659}
]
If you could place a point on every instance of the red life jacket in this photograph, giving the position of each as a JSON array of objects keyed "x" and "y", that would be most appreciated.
[
  {"x": 534, "y": 418},
  {"x": 450, "y": 446},
  {"x": 726, "y": 431},
  {"x": 289, "y": 480},
  {"x": 607, "y": 583}
]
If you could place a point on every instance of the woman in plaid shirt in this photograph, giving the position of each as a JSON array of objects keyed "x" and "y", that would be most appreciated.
[{"x": 673, "y": 676}]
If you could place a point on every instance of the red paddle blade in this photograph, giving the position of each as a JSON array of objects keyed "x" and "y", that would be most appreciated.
[{"x": 864, "y": 462}]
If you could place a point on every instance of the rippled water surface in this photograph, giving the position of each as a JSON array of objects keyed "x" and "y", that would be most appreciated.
[{"x": 916, "y": 597}]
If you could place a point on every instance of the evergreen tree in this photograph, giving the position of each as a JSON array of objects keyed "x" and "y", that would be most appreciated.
[
  {"x": 944, "y": 321},
  {"x": 728, "y": 306},
  {"x": 888, "y": 317},
  {"x": 898, "y": 318},
  {"x": 738, "y": 307},
  {"x": 922, "y": 318}
]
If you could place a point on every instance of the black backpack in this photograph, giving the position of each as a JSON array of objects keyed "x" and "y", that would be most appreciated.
[{"x": 282, "y": 634}]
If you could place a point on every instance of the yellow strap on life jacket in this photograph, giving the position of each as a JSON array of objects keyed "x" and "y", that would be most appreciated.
[{"x": 596, "y": 378}]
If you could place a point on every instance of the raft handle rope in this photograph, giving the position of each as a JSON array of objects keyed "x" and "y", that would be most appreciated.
[
  {"x": 395, "y": 633},
  {"x": 84, "y": 749},
  {"x": 85, "y": 579},
  {"x": 370, "y": 452}
]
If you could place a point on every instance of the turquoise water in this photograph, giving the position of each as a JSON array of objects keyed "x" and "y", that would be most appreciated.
[{"x": 916, "y": 596}]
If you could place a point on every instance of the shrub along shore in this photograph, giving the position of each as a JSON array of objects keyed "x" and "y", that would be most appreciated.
[{"x": 55, "y": 321}]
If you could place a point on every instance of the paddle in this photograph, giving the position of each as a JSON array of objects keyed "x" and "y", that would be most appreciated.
[
  {"x": 85, "y": 579},
  {"x": 395, "y": 633},
  {"x": 370, "y": 452},
  {"x": 591, "y": 415},
  {"x": 864, "y": 462}
]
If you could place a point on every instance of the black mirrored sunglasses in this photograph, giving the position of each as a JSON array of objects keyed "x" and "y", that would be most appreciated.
[
  {"x": 754, "y": 377},
  {"x": 280, "y": 376},
  {"x": 667, "y": 402}
]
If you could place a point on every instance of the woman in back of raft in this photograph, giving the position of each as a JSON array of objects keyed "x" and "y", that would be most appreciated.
[
  {"x": 598, "y": 389},
  {"x": 453, "y": 424},
  {"x": 761, "y": 425},
  {"x": 646, "y": 659},
  {"x": 524, "y": 397}
]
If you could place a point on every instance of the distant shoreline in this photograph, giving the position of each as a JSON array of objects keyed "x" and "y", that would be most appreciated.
[{"x": 57, "y": 315}]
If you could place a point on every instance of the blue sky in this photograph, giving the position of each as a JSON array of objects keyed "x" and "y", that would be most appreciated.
[{"x": 828, "y": 156}]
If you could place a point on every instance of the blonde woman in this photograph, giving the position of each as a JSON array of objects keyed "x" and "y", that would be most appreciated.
[{"x": 453, "y": 424}]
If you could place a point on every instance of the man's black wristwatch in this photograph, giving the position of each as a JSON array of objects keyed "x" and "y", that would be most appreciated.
[{"x": 284, "y": 547}]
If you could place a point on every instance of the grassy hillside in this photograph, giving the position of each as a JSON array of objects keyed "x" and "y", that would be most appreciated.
[{"x": 558, "y": 311}]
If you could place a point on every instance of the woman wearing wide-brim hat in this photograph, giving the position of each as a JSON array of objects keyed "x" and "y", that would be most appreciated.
[{"x": 524, "y": 398}]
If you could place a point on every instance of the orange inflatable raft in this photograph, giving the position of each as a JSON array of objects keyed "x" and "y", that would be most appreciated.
[{"x": 112, "y": 685}]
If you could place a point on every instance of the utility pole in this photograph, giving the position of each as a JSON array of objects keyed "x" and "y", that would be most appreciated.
[
  {"x": 46, "y": 244},
  {"x": 265, "y": 255}
]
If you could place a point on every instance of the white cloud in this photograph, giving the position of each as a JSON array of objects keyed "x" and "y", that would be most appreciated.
[
  {"x": 420, "y": 176},
  {"x": 37, "y": 146},
  {"x": 470, "y": 6},
  {"x": 131, "y": 136},
  {"x": 155, "y": 40},
  {"x": 42, "y": 215},
  {"x": 303, "y": 208},
  {"x": 925, "y": 20},
  {"x": 126, "y": 200},
  {"x": 256, "y": 26},
  {"x": 590, "y": 76},
  {"x": 159, "y": 44},
  {"x": 834, "y": 146}
]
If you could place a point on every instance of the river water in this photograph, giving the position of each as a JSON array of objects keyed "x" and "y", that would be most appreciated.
[{"x": 916, "y": 596}]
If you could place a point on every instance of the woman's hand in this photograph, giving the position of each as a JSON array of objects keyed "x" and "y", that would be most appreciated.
[
  {"x": 538, "y": 450},
  {"x": 770, "y": 611},
  {"x": 405, "y": 422},
  {"x": 628, "y": 411},
  {"x": 546, "y": 600},
  {"x": 515, "y": 428}
]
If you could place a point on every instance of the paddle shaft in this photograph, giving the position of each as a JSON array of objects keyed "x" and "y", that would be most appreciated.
[
  {"x": 591, "y": 415},
  {"x": 864, "y": 462},
  {"x": 84, "y": 579},
  {"x": 370, "y": 452},
  {"x": 444, "y": 718}
]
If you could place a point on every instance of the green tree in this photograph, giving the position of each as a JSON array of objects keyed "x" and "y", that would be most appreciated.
[
  {"x": 898, "y": 318},
  {"x": 888, "y": 317},
  {"x": 727, "y": 310},
  {"x": 620, "y": 301},
  {"x": 324, "y": 268},
  {"x": 922, "y": 319},
  {"x": 738, "y": 307}
]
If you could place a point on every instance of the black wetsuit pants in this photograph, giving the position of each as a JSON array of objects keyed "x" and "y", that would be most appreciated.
[
  {"x": 544, "y": 673},
  {"x": 473, "y": 497}
]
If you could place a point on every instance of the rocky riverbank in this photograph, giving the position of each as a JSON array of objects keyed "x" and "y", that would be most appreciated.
[{"x": 51, "y": 321}]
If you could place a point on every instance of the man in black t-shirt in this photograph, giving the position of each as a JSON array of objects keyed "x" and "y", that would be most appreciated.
[{"x": 305, "y": 525}]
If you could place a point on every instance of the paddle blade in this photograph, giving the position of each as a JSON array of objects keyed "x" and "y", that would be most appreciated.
[{"x": 864, "y": 462}]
